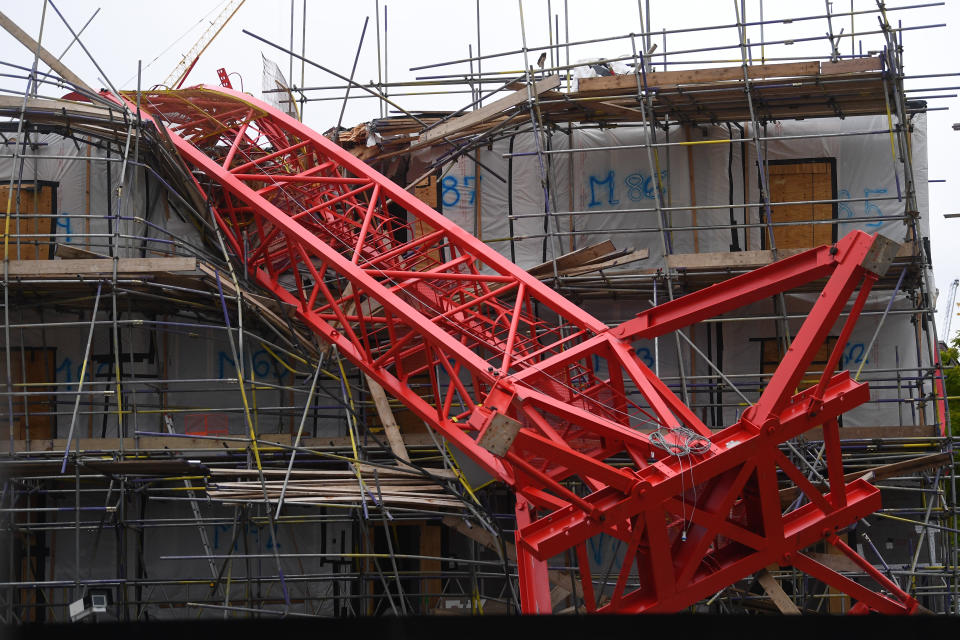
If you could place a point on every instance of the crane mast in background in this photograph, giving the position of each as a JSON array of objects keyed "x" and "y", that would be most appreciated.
[
  {"x": 179, "y": 74},
  {"x": 950, "y": 310}
]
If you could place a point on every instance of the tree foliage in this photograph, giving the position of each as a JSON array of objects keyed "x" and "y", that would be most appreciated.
[{"x": 950, "y": 358}]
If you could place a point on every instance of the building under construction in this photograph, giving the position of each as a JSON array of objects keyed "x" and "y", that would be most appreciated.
[{"x": 645, "y": 333}]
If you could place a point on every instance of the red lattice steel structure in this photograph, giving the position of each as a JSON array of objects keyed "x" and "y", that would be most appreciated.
[{"x": 537, "y": 391}]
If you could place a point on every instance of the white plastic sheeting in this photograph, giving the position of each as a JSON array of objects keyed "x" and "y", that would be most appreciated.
[
  {"x": 616, "y": 190},
  {"x": 86, "y": 181}
]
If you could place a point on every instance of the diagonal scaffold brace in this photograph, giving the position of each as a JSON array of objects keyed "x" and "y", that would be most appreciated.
[{"x": 537, "y": 391}]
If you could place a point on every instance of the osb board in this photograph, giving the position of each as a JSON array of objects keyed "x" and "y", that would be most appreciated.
[
  {"x": 37, "y": 411},
  {"x": 797, "y": 182},
  {"x": 771, "y": 355},
  {"x": 30, "y": 237},
  {"x": 427, "y": 192}
]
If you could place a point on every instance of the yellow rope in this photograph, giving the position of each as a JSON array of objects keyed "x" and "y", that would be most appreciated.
[
  {"x": 456, "y": 469},
  {"x": 283, "y": 362}
]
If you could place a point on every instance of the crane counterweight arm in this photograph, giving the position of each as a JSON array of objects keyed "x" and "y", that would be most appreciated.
[{"x": 783, "y": 275}]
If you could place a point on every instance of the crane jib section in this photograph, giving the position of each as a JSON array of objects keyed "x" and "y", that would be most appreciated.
[{"x": 541, "y": 394}]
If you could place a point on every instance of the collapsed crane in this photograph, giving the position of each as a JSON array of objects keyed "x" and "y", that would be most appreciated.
[{"x": 537, "y": 391}]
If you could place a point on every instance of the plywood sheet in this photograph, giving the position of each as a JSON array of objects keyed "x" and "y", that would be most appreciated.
[
  {"x": 31, "y": 366},
  {"x": 771, "y": 354},
  {"x": 30, "y": 235},
  {"x": 801, "y": 181}
]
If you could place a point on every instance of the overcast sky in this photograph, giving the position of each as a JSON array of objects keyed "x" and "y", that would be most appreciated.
[{"x": 421, "y": 32}]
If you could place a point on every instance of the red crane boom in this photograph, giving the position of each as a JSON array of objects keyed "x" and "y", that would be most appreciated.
[{"x": 537, "y": 391}]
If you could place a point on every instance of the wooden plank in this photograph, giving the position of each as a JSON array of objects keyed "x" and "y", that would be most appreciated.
[
  {"x": 100, "y": 266},
  {"x": 880, "y": 432},
  {"x": 574, "y": 258},
  {"x": 881, "y": 472},
  {"x": 725, "y": 259},
  {"x": 913, "y": 465},
  {"x": 334, "y": 485},
  {"x": 558, "y": 579},
  {"x": 837, "y": 562},
  {"x": 615, "y": 110},
  {"x": 857, "y": 65},
  {"x": 387, "y": 419},
  {"x": 431, "y": 548},
  {"x": 60, "y": 108},
  {"x": 777, "y": 594},
  {"x": 480, "y": 535},
  {"x": 607, "y": 85},
  {"x": 385, "y": 473},
  {"x": 271, "y": 310},
  {"x": 353, "y": 492},
  {"x": 488, "y": 111},
  {"x": 662, "y": 79},
  {"x": 610, "y": 256},
  {"x": 557, "y": 595},
  {"x": 171, "y": 443},
  {"x": 344, "y": 482},
  {"x": 838, "y": 602},
  {"x": 404, "y": 472},
  {"x": 324, "y": 500},
  {"x": 633, "y": 256},
  {"x": 325, "y": 489},
  {"x": 274, "y": 307},
  {"x": 51, "y": 60},
  {"x": 721, "y": 74},
  {"x": 70, "y": 252}
]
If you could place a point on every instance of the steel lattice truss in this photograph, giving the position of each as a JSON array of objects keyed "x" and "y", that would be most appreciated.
[{"x": 533, "y": 388}]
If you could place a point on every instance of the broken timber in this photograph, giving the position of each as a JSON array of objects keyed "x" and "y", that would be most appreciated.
[{"x": 489, "y": 111}]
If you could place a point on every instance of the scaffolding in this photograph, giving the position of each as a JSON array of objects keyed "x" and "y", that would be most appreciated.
[{"x": 291, "y": 485}]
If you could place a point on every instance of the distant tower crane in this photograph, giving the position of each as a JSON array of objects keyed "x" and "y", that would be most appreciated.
[
  {"x": 179, "y": 74},
  {"x": 951, "y": 303}
]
